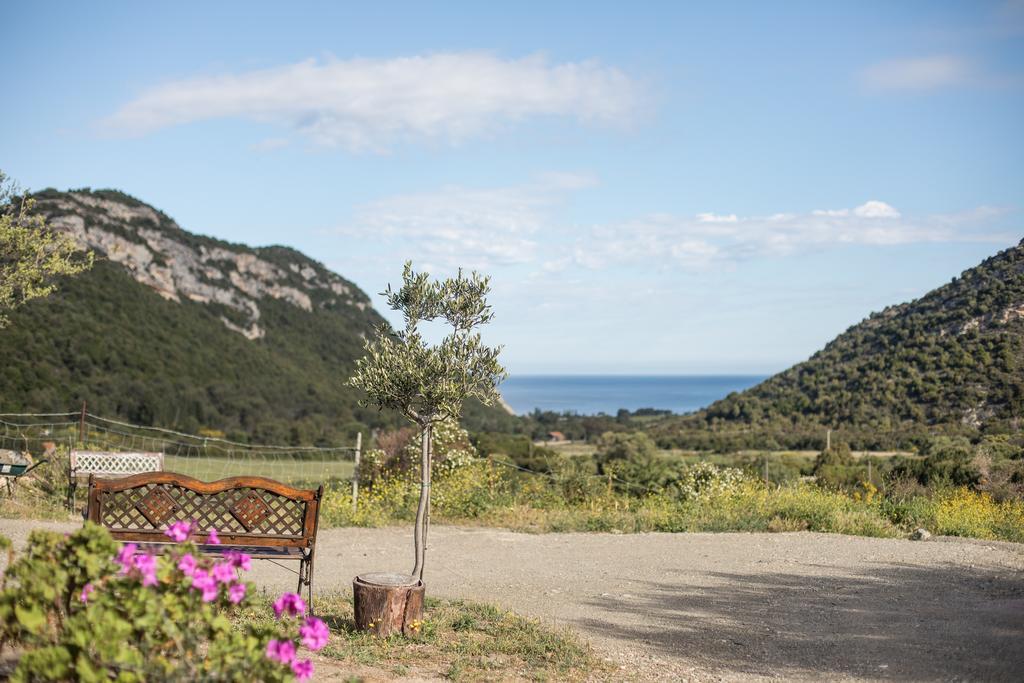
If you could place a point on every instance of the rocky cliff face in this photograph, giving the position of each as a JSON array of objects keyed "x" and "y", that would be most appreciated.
[
  {"x": 178, "y": 330},
  {"x": 179, "y": 265}
]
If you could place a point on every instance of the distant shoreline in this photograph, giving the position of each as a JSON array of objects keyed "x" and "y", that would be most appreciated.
[{"x": 589, "y": 395}]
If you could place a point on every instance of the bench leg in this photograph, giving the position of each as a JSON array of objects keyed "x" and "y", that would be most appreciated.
[
  {"x": 309, "y": 582},
  {"x": 306, "y": 579}
]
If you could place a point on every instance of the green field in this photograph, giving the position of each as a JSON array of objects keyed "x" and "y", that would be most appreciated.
[{"x": 282, "y": 468}]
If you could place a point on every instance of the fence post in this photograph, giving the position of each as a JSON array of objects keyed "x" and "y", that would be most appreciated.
[
  {"x": 81, "y": 426},
  {"x": 490, "y": 478},
  {"x": 766, "y": 468},
  {"x": 355, "y": 473}
]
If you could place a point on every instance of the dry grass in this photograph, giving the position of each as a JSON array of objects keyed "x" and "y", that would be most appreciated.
[{"x": 460, "y": 640}]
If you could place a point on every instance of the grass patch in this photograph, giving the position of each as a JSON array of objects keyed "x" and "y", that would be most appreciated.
[
  {"x": 282, "y": 468},
  {"x": 751, "y": 508},
  {"x": 460, "y": 640},
  {"x": 481, "y": 495},
  {"x": 40, "y": 495},
  {"x": 962, "y": 512}
]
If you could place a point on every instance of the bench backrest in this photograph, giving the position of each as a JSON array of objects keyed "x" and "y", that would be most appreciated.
[
  {"x": 244, "y": 511},
  {"x": 110, "y": 464}
]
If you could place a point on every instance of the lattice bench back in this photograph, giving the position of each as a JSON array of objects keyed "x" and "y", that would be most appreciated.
[
  {"x": 245, "y": 511},
  {"x": 108, "y": 464}
]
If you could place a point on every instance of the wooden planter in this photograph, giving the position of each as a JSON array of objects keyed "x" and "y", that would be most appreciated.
[{"x": 388, "y": 603}]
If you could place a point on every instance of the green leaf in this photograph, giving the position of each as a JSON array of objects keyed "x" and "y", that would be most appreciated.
[{"x": 32, "y": 619}]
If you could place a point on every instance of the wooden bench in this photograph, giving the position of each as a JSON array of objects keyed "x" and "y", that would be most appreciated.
[
  {"x": 109, "y": 464},
  {"x": 261, "y": 517}
]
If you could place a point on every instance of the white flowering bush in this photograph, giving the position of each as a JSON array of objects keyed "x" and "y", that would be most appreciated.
[
  {"x": 704, "y": 479},
  {"x": 451, "y": 449},
  {"x": 464, "y": 484}
]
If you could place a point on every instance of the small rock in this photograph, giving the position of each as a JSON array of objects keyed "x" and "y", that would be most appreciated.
[
  {"x": 920, "y": 535},
  {"x": 495, "y": 661}
]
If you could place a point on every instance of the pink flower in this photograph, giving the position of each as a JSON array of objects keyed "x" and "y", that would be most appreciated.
[
  {"x": 125, "y": 555},
  {"x": 146, "y": 564},
  {"x": 281, "y": 651},
  {"x": 291, "y": 603},
  {"x": 314, "y": 633},
  {"x": 240, "y": 560},
  {"x": 236, "y": 593},
  {"x": 87, "y": 590},
  {"x": 179, "y": 531},
  {"x": 187, "y": 564},
  {"x": 204, "y": 582},
  {"x": 303, "y": 670},
  {"x": 223, "y": 572},
  {"x": 212, "y": 538}
]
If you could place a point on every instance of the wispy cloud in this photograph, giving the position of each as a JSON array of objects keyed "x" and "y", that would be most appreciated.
[
  {"x": 708, "y": 240},
  {"x": 522, "y": 225},
  {"x": 269, "y": 144},
  {"x": 919, "y": 73},
  {"x": 473, "y": 227},
  {"x": 372, "y": 104}
]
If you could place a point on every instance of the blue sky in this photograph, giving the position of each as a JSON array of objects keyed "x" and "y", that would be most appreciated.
[{"x": 655, "y": 188}]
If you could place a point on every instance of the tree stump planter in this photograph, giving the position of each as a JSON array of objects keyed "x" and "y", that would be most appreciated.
[{"x": 388, "y": 603}]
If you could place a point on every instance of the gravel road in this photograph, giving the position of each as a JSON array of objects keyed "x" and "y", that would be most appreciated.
[{"x": 743, "y": 607}]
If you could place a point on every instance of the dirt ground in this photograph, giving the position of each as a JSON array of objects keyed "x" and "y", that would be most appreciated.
[{"x": 735, "y": 607}]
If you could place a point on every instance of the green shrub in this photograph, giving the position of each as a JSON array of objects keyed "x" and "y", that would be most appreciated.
[
  {"x": 697, "y": 496},
  {"x": 949, "y": 461},
  {"x": 79, "y": 612},
  {"x": 961, "y": 512}
]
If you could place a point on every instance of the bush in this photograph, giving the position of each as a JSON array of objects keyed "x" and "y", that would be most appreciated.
[
  {"x": 519, "y": 449},
  {"x": 703, "y": 479},
  {"x": 836, "y": 468},
  {"x": 961, "y": 512},
  {"x": 80, "y": 612},
  {"x": 700, "y": 496},
  {"x": 949, "y": 461}
]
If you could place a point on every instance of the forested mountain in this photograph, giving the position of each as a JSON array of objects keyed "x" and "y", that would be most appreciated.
[
  {"x": 184, "y": 331},
  {"x": 951, "y": 361}
]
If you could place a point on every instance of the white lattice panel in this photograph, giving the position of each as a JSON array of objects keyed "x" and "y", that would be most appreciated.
[{"x": 108, "y": 464}]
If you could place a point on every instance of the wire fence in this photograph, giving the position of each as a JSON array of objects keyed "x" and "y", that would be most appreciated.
[{"x": 207, "y": 458}]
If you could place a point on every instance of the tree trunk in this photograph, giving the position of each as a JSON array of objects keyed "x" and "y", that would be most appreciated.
[
  {"x": 422, "y": 511},
  {"x": 388, "y": 603}
]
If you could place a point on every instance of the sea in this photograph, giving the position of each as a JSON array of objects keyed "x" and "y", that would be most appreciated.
[{"x": 593, "y": 394}]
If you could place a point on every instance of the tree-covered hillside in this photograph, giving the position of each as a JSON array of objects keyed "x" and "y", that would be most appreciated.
[
  {"x": 950, "y": 361},
  {"x": 179, "y": 330}
]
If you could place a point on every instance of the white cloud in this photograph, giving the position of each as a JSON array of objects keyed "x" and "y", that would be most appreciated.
[
  {"x": 269, "y": 144},
  {"x": 715, "y": 218},
  {"x": 485, "y": 228},
  {"x": 919, "y": 73},
  {"x": 363, "y": 104},
  {"x": 695, "y": 243},
  {"x": 875, "y": 209},
  {"x": 471, "y": 227}
]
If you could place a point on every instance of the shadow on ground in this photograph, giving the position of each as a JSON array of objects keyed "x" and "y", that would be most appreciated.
[{"x": 889, "y": 621}]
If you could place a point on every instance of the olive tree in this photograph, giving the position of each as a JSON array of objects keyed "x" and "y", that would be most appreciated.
[
  {"x": 31, "y": 254},
  {"x": 428, "y": 383}
]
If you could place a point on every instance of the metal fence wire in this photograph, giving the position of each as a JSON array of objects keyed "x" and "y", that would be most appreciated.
[{"x": 207, "y": 458}]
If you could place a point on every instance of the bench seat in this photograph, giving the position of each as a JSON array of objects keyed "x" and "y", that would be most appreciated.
[{"x": 257, "y": 552}]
